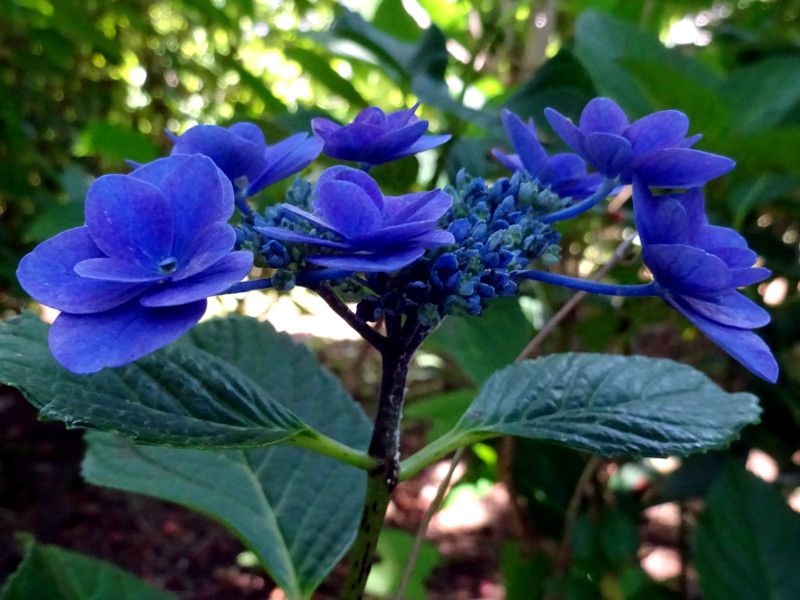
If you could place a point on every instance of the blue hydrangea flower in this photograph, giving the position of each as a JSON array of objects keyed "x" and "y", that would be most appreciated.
[
  {"x": 136, "y": 276},
  {"x": 374, "y": 137},
  {"x": 655, "y": 148},
  {"x": 242, "y": 153},
  {"x": 367, "y": 231},
  {"x": 564, "y": 173},
  {"x": 697, "y": 268}
]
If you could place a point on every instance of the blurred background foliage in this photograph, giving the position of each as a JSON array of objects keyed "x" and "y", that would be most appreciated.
[{"x": 86, "y": 84}]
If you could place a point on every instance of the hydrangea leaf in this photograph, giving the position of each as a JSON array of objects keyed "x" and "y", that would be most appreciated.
[
  {"x": 297, "y": 510},
  {"x": 747, "y": 543},
  {"x": 609, "y": 405},
  {"x": 58, "y": 574},
  {"x": 179, "y": 396}
]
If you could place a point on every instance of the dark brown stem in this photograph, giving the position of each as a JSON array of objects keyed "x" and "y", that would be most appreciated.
[
  {"x": 363, "y": 328},
  {"x": 384, "y": 446}
]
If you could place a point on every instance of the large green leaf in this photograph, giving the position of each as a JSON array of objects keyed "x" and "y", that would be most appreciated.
[
  {"x": 747, "y": 544},
  {"x": 179, "y": 396},
  {"x": 297, "y": 510},
  {"x": 57, "y": 574},
  {"x": 610, "y": 405}
]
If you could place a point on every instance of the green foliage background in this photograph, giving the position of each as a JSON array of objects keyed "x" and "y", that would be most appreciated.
[{"x": 86, "y": 84}]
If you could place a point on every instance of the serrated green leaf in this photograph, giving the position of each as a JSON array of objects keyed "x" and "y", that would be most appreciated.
[
  {"x": 179, "y": 396},
  {"x": 747, "y": 543},
  {"x": 610, "y": 405},
  {"x": 296, "y": 510},
  {"x": 57, "y": 574}
]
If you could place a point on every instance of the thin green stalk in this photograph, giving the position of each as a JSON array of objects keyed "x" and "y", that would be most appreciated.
[{"x": 313, "y": 440}]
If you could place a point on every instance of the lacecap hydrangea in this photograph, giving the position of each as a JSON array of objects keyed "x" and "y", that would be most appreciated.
[{"x": 421, "y": 256}]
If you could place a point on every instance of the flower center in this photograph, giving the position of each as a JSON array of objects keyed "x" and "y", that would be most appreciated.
[{"x": 168, "y": 265}]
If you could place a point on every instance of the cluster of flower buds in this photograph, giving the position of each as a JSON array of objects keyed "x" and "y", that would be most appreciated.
[{"x": 157, "y": 242}]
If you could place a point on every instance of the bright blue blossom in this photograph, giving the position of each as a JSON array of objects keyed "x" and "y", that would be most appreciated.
[
  {"x": 564, "y": 173},
  {"x": 374, "y": 137},
  {"x": 136, "y": 276},
  {"x": 655, "y": 148},
  {"x": 242, "y": 153},
  {"x": 697, "y": 268},
  {"x": 362, "y": 229}
]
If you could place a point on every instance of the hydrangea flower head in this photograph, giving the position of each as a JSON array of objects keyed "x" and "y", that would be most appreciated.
[
  {"x": 697, "y": 268},
  {"x": 367, "y": 231},
  {"x": 655, "y": 148},
  {"x": 136, "y": 276},
  {"x": 242, "y": 153},
  {"x": 564, "y": 173},
  {"x": 375, "y": 137}
]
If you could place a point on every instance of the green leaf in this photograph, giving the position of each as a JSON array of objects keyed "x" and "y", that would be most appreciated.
[
  {"x": 747, "y": 543},
  {"x": 484, "y": 345},
  {"x": 609, "y": 405},
  {"x": 296, "y": 510},
  {"x": 394, "y": 548},
  {"x": 318, "y": 67},
  {"x": 180, "y": 396},
  {"x": 524, "y": 577},
  {"x": 762, "y": 94},
  {"x": 57, "y": 574},
  {"x": 114, "y": 142}
]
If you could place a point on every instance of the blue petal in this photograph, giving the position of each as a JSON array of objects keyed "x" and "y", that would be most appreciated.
[
  {"x": 111, "y": 269},
  {"x": 286, "y": 235},
  {"x": 603, "y": 115},
  {"x": 348, "y": 208},
  {"x": 714, "y": 236},
  {"x": 730, "y": 308},
  {"x": 323, "y": 127},
  {"x": 742, "y": 344},
  {"x": 129, "y": 219},
  {"x": 417, "y": 206},
  {"x": 735, "y": 258},
  {"x": 681, "y": 167},
  {"x": 745, "y": 277},
  {"x": 511, "y": 162},
  {"x": 565, "y": 129},
  {"x": 565, "y": 165},
  {"x": 250, "y": 132},
  {"x": 426, "y": 142},
  {"x": 661, "y": 220},
  {"x": 401, "y": 118},
  {"x": 48, "y": 274},
  {"x": 286, "y": 158},
  {"x": 376, "y": 262},
  {"x": 88, "y": 343},
  {"x": 393, "y": 143},
  {"x": 609, "y": 153},
  {"x": 686, "y": 270},
  {"x": 215, "y": 279},
  {"x": 356, "y": 176},
  {"x": 208, "y": 246},
  {"x": 435, "y": 239},
  {"x": 307, "y": 216},
  {"x": 154, "y": 172},
  {"x": 523, "y": 138},
  {"x": 199, "y": 196},
  {"x": 664, "y": 129},
  {"x": 236, "y": 156}
]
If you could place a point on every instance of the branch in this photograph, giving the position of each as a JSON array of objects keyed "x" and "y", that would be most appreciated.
[{"x": 362, "y": 327}]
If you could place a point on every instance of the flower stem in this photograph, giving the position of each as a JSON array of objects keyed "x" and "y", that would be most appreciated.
[
  {"x": 363, "y": 328},
  {"x": 385, "y": 449},
  {"x": 582, "y": 206},
  {"x": 322, "y": 444},
  {"x": 593, "y": 287}
]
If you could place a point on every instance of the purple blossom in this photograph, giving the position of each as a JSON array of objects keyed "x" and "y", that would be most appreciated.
[
  {"x": 374, "y": 137},
  {"x": 367, "y": 231},
  {"x": 697, "y": 268},
  {"x": 136, "y": 276},
  {"x": 242, "y": 153},
  {"x": 564, "y": 173},
  {"x": 655, "y": 148}
]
